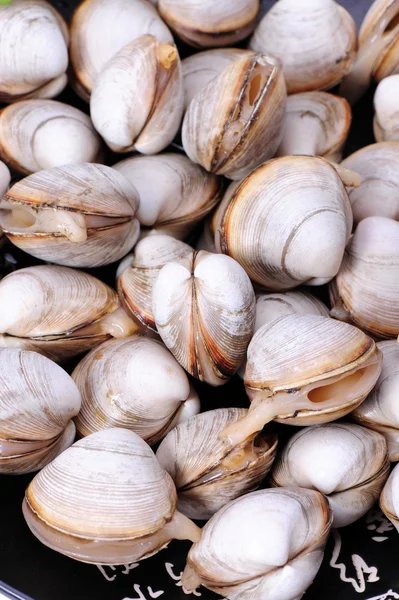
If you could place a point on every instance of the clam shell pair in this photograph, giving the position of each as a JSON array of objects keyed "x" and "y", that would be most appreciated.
[
  {"x": 38, "y": 400},
  {"x": 106, "y": 500}
]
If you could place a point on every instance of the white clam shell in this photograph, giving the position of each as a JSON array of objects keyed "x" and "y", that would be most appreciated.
[
  {"x": 386, "y": 106},
  {"x": 389, "y": 500},
  {"x": 206, "y": 473},
  {"x": 133, "y": 383},
  {"x": 210, "y": 23},
  {"x": 346, "y": 462},
  {"x": 297, "y": 219},
  {"x": 37, "y": 402},
  {"x": 378, "y": 193},
  {"x": 380, "y": 410},
  {"x": 33, "y": 50},
  {"x": 136, "y": 279},
  {"x": 39, "y": 134},
  {"x": 104, "y": 500},
  {"x": 175, "y": 194},
  {"x": 236, "y": 121},
  {"x": 268, "y": 544},
  {"x": 100, "y": 29},
  {"x": 74, "y": 215},
  {"x": 366, "y": 289},
  {"x": 314, "y": 39},
  {"x": 204, "y": 309},
  {"x": 137, "y": 99}
]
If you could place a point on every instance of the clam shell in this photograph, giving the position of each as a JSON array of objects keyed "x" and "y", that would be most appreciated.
[
  {"x": 386, "y": 117},
  {"x": 206, "y": 473},
  {"x": 389, "y": 499}
]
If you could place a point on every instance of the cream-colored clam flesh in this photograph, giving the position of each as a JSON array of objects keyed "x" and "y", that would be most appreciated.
[
  {"x": 33, "y": 50},
  {"x": 315, "y": 40},
  {"x": 200, "y": 68},
  {"x": 175, "y": 194},
  {"x": 345, "y": 462},
  {"x": 210, "y": 23},
  {"x": 380, "y": 410},
  {"x": 137, "y": 99},
  {"x": 305, "y": 370},
  {"x": 378, "y": 193},
  {"x": 316, "y": 123},
  {"x": 74, "y": 215},
  {"x": 386, "y": 109},
  {"x": 236, "y": 121},
  {"x": 59, "y": 312},
  {"x": 136, "y": 281},
  {"x": 39, "y": 134},
  {"x": 204, "y": 309},
  {"x": 106, "y": 500},
  {"x": 100, "y": 29},
  {"x": 378, "y": 53},
  {"x": 366, "y": 289},
  {"x": 389, "y": 499},
  {"x": 287, "y": 223},
  {"x": 133, "y": 383},
  {"x": 206, "y": 474},
  {"x": 37, "y": 402},
  {"x": 268, "y": 544}
]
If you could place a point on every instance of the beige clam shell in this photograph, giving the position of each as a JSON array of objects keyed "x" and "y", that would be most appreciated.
[
  {"x": 37, "y": 402},
  {"x": 380, "y": 410},
  {"x": 315, "y": 40},
  {"x": 33, "y": 50},
  {"x": 287, "y": 223},
  {"x": 346, "y": 462},
  {"x": 40, "y": 134},
  {"x": 268, "y": 543},
  {"x": 137, "y": 99},
  {"x": 236, "y": 121},
  {"x": 204, "y": 309},
  {"x": 389, "y": 499},
  {"x": 175, "y": 194},
  {"x": 75, "y": 215},
  {"x": 206, "y": 473},
  {"x": 105, "y": 500},
  {"x": 136, "y": 282},
  {"x": 366, "y": 289},
  {"x": 100, "y": 29},
  {"x": 386, "y": 115},
  {"x": 136, "y": 384}
]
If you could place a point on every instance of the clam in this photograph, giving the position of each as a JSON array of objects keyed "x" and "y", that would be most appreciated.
[
  {"x": 287, "y": 223},
  {"x": 59, "y": 312},
  {"x": 33, "y": 50},
  {"x": 200, "y": 68},
  {"x": 380, "y": 410},
  {"x": 106, "y": 500},
  {"x": 137, "y": 100},
  {"x": 5, "y": 178},
  {"x": 39, "y": 134},
  {"x": 101, "y": 28},
  {"x": 136, "y": 384},
  {"x": 37, "y": 402},
  {"x": 378, "y": 54},
  {"x": 207, "y": 475},
  {"x": 346, "y": 463},
  {"x": 386, "y": 106},
  {"x": 366, "y": 289},
  {"x": 210, "y": 23},
  {"x": 74, "y": 215},
  {"x": 315, "y": 40},
  {"x": 389, "y": 499},
  {"x": 305, "y": 370},
  {"x": 204, "y": 310},
  {"x": 378, "y": 193},
  {"x": 139, "y": 271},
  {"x": 175, "y": 194},
  {"x": 236, "y": 121},
  {"x": 317, "y": 123},
  {"x": 267, "y": 544}
]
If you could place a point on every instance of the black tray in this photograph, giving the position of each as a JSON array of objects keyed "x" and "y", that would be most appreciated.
[{"x": 360, "y": 561}]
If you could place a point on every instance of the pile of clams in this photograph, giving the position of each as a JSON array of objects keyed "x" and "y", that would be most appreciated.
[{"x": 199, "y": 264}]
